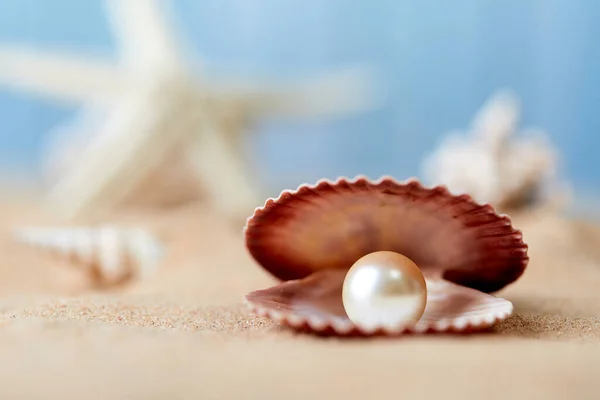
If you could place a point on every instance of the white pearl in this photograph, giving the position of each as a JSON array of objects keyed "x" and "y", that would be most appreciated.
[{"x": 384, "y": 289}]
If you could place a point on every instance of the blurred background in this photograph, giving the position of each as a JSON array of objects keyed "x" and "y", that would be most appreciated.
[{"x": 434, "y": 65}]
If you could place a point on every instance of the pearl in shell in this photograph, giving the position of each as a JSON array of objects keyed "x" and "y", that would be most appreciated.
[{"x": 384, "y": 289}]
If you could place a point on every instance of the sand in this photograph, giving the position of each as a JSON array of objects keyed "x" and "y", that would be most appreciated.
[{"x": 186, "y": 335}]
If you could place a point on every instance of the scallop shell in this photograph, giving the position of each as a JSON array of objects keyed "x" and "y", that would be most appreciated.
[
  {"x": 310, "y": 237},
  {"x": 111, "y": 253}
]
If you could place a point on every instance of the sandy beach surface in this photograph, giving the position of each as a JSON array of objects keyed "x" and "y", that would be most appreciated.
[{"x": 185, "y": 334}]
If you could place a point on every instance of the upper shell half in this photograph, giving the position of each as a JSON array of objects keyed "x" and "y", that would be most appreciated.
[{"x": 328, "y": 226}]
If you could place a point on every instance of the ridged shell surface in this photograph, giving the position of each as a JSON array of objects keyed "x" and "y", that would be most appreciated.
[{"x": 330, "y": 225}]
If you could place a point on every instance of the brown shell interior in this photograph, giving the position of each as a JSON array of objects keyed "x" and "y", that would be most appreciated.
[
  {"x": 331, "y": 225},
  {"x": 318, "y": 297}
]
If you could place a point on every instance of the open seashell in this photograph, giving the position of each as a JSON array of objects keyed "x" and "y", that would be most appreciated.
[
  {"x": 309, "y": 238},
  {"x": 112, "y": 254}
]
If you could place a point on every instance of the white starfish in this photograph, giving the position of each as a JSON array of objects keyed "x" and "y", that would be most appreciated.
[{"x": 155, "y": 104}]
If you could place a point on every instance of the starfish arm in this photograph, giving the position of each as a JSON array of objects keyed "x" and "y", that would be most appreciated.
[
  {"x": 62, "y": 144},
  {"x": 225, "y": 178},
  {"x": 59, "y": 76},
  {"x": 330, "y": 95},
  {"x": 143, "y": 33},
  {"x": 139, "y": 135}
]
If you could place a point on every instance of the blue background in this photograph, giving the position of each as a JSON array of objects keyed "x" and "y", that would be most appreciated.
[{"x": 437, "y": 61}]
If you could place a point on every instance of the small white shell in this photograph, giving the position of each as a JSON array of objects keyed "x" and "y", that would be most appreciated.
[
  {"x": 113, "y": 253},
  {"x": 493, "y": 165}
]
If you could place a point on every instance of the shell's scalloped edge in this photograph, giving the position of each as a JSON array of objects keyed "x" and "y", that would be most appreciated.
[
  {"x": 318, "y": 325},
  {"x": 378, "y": 181}
]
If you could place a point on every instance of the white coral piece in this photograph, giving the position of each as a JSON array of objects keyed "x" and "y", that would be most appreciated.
[
  {"x": 489, "y": 163},
  {"x": 110, "y": 252}
]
